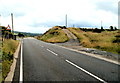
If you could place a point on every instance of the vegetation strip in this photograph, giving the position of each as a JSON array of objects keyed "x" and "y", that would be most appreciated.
[
  {"x": 13, "y": 66},
  {"x": 9, "y": 48}
]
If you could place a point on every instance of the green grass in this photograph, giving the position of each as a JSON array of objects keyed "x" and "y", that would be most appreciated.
[
  {"x": 54, "y": 35},
  {"x": 9, "y": 47},
  {"x": 0, "y": 59},
  {"x": 102, "y": 41}
]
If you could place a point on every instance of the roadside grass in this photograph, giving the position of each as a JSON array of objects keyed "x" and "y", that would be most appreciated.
[
  {"x": 0, "y": 59},
  {"x": 0, "y": 72},
  {"x": 102, "y": 41},
  {"x": 54, "y": 35},
  {"x": 9, "y": 47}
]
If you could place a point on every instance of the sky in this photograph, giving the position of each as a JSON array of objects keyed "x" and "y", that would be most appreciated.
[{"x": 37, "y": 16}]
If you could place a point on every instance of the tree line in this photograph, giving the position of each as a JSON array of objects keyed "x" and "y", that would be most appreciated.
[{"x": 111, "y": 28}]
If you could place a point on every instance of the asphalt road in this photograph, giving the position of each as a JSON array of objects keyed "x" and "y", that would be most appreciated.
[{"x": 48, "y": 62}]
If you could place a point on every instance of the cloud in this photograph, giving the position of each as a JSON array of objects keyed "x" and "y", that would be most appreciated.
[
  {"x": 40, "y": 15},
  {"x": 119, "y": 15},
  {"x": 108, "y": 6}
]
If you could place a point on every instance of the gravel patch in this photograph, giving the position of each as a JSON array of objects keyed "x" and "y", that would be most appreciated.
[{"x": 104, "y": 54}]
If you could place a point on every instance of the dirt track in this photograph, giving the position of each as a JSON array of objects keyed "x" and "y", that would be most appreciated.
[{"x": 73, "y": 41}]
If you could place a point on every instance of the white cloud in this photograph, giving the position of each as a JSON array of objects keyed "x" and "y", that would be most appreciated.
[{"x": 30, "y": 15}]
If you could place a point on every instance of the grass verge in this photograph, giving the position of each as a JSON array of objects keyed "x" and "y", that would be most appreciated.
[{"x": 8, "y": 50}]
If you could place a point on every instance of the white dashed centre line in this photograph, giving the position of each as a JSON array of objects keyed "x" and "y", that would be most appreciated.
[
  {"x": 86, "y": 71},
  {"x": 52, "y": 52}
]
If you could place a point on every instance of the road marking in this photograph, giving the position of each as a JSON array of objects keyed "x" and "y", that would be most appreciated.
[
  {"x": 52, "y": 52},
  {"x": 21, "y": 64},
  {"x": 86, "y": 71},
  {"x": 42, "y": 46}
]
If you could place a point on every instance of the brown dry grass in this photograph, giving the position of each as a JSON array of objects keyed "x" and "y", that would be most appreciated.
[
  {"x": 102, "y": 41},
  {"x": 54, "y": 35}
]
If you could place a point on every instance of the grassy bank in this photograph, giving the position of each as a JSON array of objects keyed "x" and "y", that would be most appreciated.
[
  {"x": 0, "y": 59},
  {"x": 106, "y": 40},
  {"x": 54, "y": 35},
  {"x": 9, "y": 47}
]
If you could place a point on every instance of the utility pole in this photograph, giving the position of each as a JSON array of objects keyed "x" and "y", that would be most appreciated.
[
  {"x": 0, "y": 19},
  {"x": 12, "y": 26},
  {"x": 66, "y": 20},
  {"x": 1, "y": 33},
  {"x": 73, "y": 25},
  {"x": 101, "y": 23},
  {"x": 12, "y": 22}
]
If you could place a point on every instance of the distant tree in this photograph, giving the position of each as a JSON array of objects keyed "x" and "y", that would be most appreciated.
[
  {"x": 111, "y": 28},
  {"x": 115, "y": 28},
  {"x": 97, "y": 30},
  {"x": 102, "y": 28},
  {"x": 20, "y": 35}
]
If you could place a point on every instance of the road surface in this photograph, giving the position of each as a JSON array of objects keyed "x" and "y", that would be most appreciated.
[{"x": 48, "y": 62}]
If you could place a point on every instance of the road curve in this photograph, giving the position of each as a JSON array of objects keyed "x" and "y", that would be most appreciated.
[{"x": 47, "y": 62}]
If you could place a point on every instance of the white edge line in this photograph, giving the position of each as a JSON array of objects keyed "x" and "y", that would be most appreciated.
[
  {"x": 52, "y": 52},
  {"x": 86, "y": 71},
  {"x": 21, "y": 64}
]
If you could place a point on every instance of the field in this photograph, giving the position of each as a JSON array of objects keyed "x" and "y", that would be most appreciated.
[
  {"x": 54, "y": 35},
  {"x": 106, "y": 40}
]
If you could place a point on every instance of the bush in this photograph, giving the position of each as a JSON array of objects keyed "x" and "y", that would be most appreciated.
[
  {"x": 97, "y": 30},
  {"x": 117, "y": 39}
]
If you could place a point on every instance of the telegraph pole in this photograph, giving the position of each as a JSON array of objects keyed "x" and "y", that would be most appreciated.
[
  {"x": 12, "y": 26},
  {"x": 102, "y": 27},
  {"x": 66, "y": 20},
  {"x": 1, "y": 33},
  {"x": 0, "y": 19},
  {"x": 101, "y": 23},
  {"x": 73, "y": 25},
  {"x": 12, "y": 22}
]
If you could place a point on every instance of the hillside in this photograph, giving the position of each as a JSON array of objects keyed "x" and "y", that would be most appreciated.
[
  {"x": 54, "y": 35},
  {"x": 106, "y": 40},
  {"x": 28, "y": 34}
]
